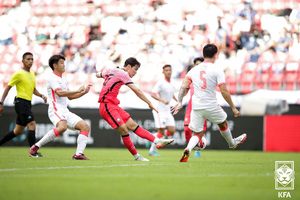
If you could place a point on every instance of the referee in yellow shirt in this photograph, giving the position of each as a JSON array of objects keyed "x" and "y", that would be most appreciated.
[{"x": 24, "y": 80}]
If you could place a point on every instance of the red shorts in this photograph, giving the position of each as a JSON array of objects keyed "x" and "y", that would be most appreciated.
[{"x": 113, "y": 114}]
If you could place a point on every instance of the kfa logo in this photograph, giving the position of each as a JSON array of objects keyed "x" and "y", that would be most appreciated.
[{"x": 284, "y": 177}]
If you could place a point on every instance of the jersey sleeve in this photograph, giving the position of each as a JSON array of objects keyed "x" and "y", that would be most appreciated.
[
  {"x": 104, "y": 73},
  {"x": 14, "y": 79},
  {"x": 188, "y": 76},
  {"x": 156, "y": 88},
  {"x": 220, "y": 78},
  {"x": 54, "y": 84}
]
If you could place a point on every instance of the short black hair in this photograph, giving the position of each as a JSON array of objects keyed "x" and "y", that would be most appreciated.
[
  {"x": 210, "y": 50},
  {"x": 26, "y": 54},
  {"x": 201, "y": 59},
  {"x": 132, "y": 62},
  {"x": 54, "y": 60},
  {"x": 165, "y": 66}
]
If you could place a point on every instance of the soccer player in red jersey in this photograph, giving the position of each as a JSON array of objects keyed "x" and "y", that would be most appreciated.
[{"x": 119, "y": 119}]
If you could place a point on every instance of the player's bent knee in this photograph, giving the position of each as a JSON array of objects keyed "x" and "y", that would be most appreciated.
[{"x": 86, "y": 133}]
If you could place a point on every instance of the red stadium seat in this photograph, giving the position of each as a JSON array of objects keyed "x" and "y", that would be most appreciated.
[
  {"x": 277, "y": 75},
  {"x": 231, "y": 82},
  {"x": 246, "y": 80},
  {"x": 292, "y": 75}
]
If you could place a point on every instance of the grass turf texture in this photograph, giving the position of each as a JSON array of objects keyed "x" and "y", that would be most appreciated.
[{"x": 114, "y": 174}]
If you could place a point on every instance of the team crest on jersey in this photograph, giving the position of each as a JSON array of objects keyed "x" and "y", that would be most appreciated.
[{"x": 118, "y": 119}]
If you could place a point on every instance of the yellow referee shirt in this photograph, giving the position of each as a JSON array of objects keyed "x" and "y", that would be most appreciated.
[{"x": 25, "y": 83}]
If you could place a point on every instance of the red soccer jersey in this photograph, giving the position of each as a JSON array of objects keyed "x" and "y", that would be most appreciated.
[{"x": 114, "y": 79}]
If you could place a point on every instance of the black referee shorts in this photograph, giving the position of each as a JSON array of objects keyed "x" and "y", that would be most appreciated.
[{"x": 23, "y": 110}]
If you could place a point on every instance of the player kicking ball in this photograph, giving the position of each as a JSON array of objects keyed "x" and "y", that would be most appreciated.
[
  {"x": 118, "y": 118},
  {"x": 205, "y": 78}
]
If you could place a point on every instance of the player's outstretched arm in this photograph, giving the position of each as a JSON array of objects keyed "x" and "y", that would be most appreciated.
[
  {"x": 226, "y": 95},
  {"x": 80, "y": 92},
  {"x": 141, "y": 95},
  {"x": 181, "y": 94}
]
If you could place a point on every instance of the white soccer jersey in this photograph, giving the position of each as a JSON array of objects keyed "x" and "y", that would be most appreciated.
[
  {"x": 165, "y": 90},
  {"x": 205, "y": 78},
  {"x": 56, "y": 82}
]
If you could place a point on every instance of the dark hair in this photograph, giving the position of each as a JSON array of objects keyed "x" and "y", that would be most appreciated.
[
  {"x": 165, "y": 66},
  {"x": 201, "y": 59},
  {"x": 26, "y": 54},
  {"x": 54, "y": 60},
  {"x": 210, "y": 50},
  {"x": 132, "y": 62}
]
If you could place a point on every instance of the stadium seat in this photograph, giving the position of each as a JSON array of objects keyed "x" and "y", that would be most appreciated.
[
  {"x": 231, "y": 82},
  {"x": 262, "y": 76},
  {"x": 246, "y": 79},
  {"x": 277, "y": 75},
  {"x": 292, "y": 75}
]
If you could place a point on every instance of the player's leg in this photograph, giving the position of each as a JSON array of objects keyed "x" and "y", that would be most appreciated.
[
  {"x": 187, "y": 133},
  {"x": 226, "y": 133},
  {"x": 196, "y": 125},
  {"x": 116, "y": 118},
  {"x": 18, "y": 130},
  {"x": 218, "y": 116},
  {"x": 128, "y": 143},
  {"x": 31, "y": 133},
  {"x": 60, "y": 123},
  {"x": 82, "y": 139},
  {"x": 143, "y": 133},
  {"x": 22, "y": 108},
  {"x": 159, "y": 134},
  {"x": 61, "y": 127}
]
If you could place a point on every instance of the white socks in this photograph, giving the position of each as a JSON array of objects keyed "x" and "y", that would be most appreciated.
[
  {"x": 193, "y": 142},
  {"x": 228, "y": 136},
  {"x": 47, "y": 138},
  {"x": 81, "y": 143}
]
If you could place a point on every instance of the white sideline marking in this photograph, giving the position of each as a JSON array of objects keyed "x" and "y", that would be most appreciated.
[{"x": 69, "y": 167}]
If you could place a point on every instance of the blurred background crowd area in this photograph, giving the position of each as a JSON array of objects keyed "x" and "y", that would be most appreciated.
[{"x": 259, "y": 40}]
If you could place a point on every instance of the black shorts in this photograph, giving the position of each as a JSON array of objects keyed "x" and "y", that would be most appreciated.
[{"x": 23, "y": 110}]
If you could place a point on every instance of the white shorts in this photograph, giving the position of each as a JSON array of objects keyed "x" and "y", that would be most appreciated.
[
  {"x": 215, "y": 115},
  {"x": 71, "y": 118},
  {"x": 163, "y": 119}
]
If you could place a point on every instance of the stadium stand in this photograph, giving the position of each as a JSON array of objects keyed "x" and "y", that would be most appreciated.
[{"x": 102, "y": 33}]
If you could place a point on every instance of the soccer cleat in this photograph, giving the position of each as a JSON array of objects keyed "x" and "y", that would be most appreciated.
[
  {"x": 33, "y": 150},
  {"x": 37, "y": 155},
  {"x": 164, "y": 142},
  {"x": 197, "y": 154},
  {"x": 79, "y": 157},
  {"x": 185, "y": 156},
  {"x": 239, "y": 140},
  {"x": 153, "y": 153},
  {"x": 141, "y": 158}
]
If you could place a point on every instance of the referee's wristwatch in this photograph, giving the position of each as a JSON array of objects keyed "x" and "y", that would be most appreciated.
[{"x": 1, "y": 103}]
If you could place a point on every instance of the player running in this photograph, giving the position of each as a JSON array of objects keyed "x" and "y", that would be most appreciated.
[
  {"x": 119, "y": 119},
  {"x": 205, "y": 77}
]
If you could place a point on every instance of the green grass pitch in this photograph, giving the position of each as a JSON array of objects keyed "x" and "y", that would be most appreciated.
[{"x": 114, "y": 174}]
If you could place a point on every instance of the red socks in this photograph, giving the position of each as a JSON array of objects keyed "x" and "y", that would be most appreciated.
[
  {"x": 129, "y": 145},
  {"x": 144, "y": 134}
]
